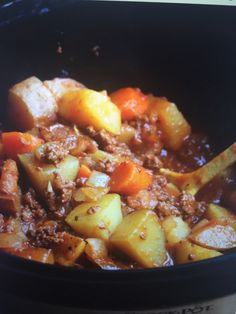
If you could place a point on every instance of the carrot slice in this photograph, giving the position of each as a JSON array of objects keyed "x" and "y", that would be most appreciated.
[
  {"x": 131, "y": 102},
  {"x": 19, "y": 143},
  {"x": 84, "y": 172},
  {"x": 130, "y": 178}
]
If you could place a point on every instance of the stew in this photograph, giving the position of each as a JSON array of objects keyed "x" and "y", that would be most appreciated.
[{"x": 116, "y": 181}]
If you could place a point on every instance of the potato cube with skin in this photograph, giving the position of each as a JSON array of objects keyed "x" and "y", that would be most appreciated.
[
  {"x": 186, "y": 252},
  {"x": 31, "y": 104},
  {"x": 97, "y": 219},
  {"x": 88, "y": 107},
  {"x": 217, "y": 234},
  {"x": 175, "y": 229},
  {"x": 60, "y": 86},
  {"x": 174, "y": 126},
  {"x": 40, "y": 174},
  {"x": 69, "y": 250},
  {"x": 141, "y": 237},
  {"x": 218, "y": 212}
]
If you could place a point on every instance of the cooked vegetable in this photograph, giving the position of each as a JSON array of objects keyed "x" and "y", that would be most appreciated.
[
  {"x": 175, "y": 229},
  {"x": 218, "y": 212},
  {"x": 89, "y": 194},
  {"x": 98, "y": 179},
  {"x": 131, "y": 102},
  {"x": 40, "y": 174},
  {"x": 9, "y": 190},
  {"x": 141, "y": 237},
  {"x": 97, "y": 253},
  {"x": 186, "y": 252},
  {"x": 61, "y": 86},
  {"x": 31, "y": 104},
  {"x": 127, "y": 132},
  {"x": 87, "y": 107},
  {"x": 12, "y": 240},
  {"x": 130, "y": 178},
  {"x": 19, "y": 143},
  {"x": 69, "y": 250},
  {"x": 218, "y": 235},
  {"x": 174, "y": 126},
  {"x": 194, "y": 181},
  {"x": 84, "y": 172},
  {"x": 36, "y": 254},
  {"x": 96, "y": 219}
]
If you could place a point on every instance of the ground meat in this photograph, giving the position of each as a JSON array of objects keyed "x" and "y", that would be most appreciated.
[
  {"x": 151, "y": 161},
  {"x": 31, "y": 209},
  {"x": 109, "y": 142},
  {"x": 107, "y": 166},
  {"x": 45, "y": 234},
  {"x": 142, "y": 200},
  {"x": 59, "y": 198},
  {"x": 191, "y": 210},
  {"x": 53, "y": 152},
  {"x": 57, "y": 132}
]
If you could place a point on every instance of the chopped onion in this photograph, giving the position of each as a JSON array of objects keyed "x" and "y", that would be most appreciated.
[
  {"x": 98, "y": 179},
  {"x": 89, "y": 194}
]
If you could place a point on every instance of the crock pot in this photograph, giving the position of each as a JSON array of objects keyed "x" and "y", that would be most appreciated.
[{"x": 184, "y": 52}]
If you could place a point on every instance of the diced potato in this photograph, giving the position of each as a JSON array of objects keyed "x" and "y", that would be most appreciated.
[
  {"x": 61, "y": 86},
  {"x": 97, "y": 253},
  {"x": 218, "y": 212},
  {"x": 175, "y": 229},
  {"x": 127, "y": 132},
  {"x": 9, "y": 190},
  {"x": 141, "y": 237},
  {"x": 40, "y": 174},
  {"x": 36, "y": 254},
  {"x": 31, "y": 104},
  {"x": 174, "y": 126},
  {"x": 67, "y": 252},
  {"x": 97, "y": 219},
  {"x": 89, "y": 194},
  {"x": 218, "y": 235},
  {"x": 186, "y": 252},
  {"x": 13, "y": 240},
  {"x": 88, "y": 107},
  {"x": 98, "y": 179}
]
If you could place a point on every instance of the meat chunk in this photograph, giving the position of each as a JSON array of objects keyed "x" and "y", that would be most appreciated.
[
  {"x": 60, "y": 196},
  {"x": 9, "y": 190}
]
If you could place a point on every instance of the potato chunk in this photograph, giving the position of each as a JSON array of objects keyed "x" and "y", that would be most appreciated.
[
  {"x": 217, "y": 234},
  {"x": 175, "y": 229},
  {"x": 88, "y": 107},
  {"x": 186, "y": 252},
  {"x": 141, "y": 237},
  {"x": 36, "y": 254},
  {"x": 31, "y": 104},
  {"x": 67, "y": 252},
  {"x": 97, "y": 253},
  {"x": 60, "y": 86},
  {"x": 97, "y": 219},
  {"x": 174, "y": 126},
  {"x": 218, "y": 212},
  {"x": 41, "y": 173}
]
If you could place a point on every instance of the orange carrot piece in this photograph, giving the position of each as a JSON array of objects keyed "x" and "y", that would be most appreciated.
[
  {"x": 84, "y": 172},
  {"x": 19, "y": 143},
  {"x": 131, "y": 102},
  {"x": 130, "y": 178}
]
